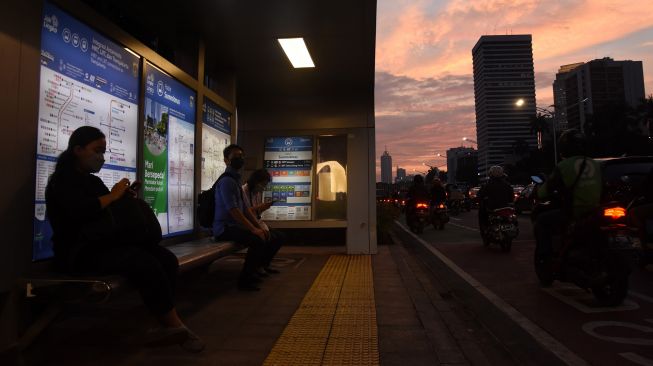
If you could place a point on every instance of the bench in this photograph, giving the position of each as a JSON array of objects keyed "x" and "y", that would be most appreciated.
[{"x": 58, "y": 289}]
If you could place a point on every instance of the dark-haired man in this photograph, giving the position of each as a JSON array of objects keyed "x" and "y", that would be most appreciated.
[{"x": 233, "y": 222}]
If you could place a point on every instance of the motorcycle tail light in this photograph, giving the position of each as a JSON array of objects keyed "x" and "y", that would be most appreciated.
[
  {"x": 422, "y": 205},
  {"x": 614, "y": 212},
  {"x": 441, "y": 205},
  {"x": 505, "y": 212}
]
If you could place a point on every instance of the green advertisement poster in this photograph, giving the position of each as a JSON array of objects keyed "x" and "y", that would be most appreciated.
[{"x": 155, "y": 156}]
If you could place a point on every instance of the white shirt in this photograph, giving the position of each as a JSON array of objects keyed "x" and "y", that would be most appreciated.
[{"x": 253, "y": 200}]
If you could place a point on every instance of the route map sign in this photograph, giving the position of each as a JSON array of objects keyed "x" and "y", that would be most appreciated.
[
  {"x": 168, "y": 152},
  {"x": 290, "y": 162},
  {"x": 216, "y": 135},
  {"x": 86, "y": 80}
]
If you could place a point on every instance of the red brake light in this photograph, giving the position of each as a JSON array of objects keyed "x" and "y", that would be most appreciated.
[
  {"x": 441, "y": 205},
  {"x": 614, "y": 212},
  {"x": 422, "y": 205}
]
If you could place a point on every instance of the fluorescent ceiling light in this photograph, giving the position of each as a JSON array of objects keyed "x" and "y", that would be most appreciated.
[{"x": 296, "y": 51}]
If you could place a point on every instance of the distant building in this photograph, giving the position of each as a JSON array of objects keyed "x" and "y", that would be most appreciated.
[
  {"x": 597, "y": 85},
  {"x": 401, "y": 174},
  {"x": 503, "y": 73},
  {"x": 386, "y": 167},
  {"x": 462, "y": 165},
  {"x": 560, "y": 95}
]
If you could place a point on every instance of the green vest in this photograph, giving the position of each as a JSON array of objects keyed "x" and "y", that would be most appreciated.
[{"x": 587, "y": 194}]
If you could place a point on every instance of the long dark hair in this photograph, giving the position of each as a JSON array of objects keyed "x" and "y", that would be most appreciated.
[
  {"x": 259, "y": 175},
  {"x": 80, "y": 137}
]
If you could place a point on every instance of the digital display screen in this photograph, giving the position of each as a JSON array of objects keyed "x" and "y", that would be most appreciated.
[
  {"x": 85, "y": 80},
  {"x": 168, "y": 152},
  {"x": 216, "y": 135},
  {"x": 289, "y": 160}
]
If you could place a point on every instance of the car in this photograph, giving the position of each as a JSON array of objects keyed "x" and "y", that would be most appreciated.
[
  {"x": 473, "y": 196},
  {"x": 525, "y": 200},
  {"x": 623, "y": 177}
]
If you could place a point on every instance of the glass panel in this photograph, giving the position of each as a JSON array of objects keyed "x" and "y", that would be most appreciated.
[{"x": 331, "y": 180}]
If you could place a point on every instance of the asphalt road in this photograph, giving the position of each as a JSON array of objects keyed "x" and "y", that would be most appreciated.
[{"x": 601, "y": 336}]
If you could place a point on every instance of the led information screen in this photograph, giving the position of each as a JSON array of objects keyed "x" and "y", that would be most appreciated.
[
  {"x": 290, "y": 162},
  {"x": 168, "y": 151},
  {"x": 216, "y": 135},
  {"x": 86, "y": 80}
]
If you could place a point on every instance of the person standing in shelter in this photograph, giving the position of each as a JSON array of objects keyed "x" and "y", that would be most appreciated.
[
  {"x": 253, "y": 195},
  {"x": 233, "y": 222},
  {"x": 84, "y": 242}
]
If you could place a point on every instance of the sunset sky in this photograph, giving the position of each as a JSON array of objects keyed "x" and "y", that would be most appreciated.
[{"x": 424, "y": 94}]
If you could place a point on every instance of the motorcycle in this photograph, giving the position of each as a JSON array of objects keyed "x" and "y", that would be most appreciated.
[
  {"x": 418, "y": 217},
  {"x": 439, "y": 216},
  {"x": 595, "y": 253},
  {"x": 502, "y": 228}
]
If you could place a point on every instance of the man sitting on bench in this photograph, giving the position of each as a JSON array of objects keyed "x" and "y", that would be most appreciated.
[{"x": 233, "y": 222}]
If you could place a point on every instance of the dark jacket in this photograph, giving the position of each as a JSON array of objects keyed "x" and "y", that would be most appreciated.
[
  {"x": 495, "y": 194},
  {"x": 438, "y": 194},
  {"x": 72, "y": 201}
]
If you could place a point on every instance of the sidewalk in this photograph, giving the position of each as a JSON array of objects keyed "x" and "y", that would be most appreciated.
[{"x": 344, "y": 302}]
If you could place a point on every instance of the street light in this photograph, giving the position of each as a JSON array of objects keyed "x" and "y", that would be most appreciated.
[{"x": 547, "y": 112}]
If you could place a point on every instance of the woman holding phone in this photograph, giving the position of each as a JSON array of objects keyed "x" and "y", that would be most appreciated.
[{"x": 77, "y": 201}]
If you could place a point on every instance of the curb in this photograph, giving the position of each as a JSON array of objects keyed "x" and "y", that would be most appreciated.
[{"x": 525, "y": 339}]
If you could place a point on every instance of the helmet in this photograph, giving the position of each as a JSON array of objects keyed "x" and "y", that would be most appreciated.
[
  {"x": 572, "y": 142},
  {"x": 495, "y": 172}
]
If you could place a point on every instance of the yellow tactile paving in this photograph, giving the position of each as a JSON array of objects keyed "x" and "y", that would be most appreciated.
[{"x": 336, "y": 321}]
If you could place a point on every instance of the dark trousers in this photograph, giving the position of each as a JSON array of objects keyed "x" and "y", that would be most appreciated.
[
  {"x": 546, "y": 225},
  {"x": 151, "y": 269},
  {"x": 272, "y": 246},
  {"x": 255, "y": 248}
]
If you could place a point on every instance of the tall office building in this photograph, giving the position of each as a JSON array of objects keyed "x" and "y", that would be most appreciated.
[
  {"x": 401, "y": 174},
  {"x": 386, "y": 167},
  {"x": 560, "y": 96},
  {"x": 503, "y": 74},
  {"x": 595, "y": 86},
  {"x": 462, "y": 165}
]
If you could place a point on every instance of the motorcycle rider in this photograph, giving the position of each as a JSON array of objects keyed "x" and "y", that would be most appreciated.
[
  {"x": 496, "y": 193},
  {"x": 438, "y": 194},
  {"x": 417, "y": 192},
  {"x": 577, "y": 178}
]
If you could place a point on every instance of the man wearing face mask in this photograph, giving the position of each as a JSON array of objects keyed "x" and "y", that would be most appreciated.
[{"x": 233, "y": 222}]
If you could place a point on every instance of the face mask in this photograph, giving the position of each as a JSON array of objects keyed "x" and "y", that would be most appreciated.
[{"x": 237, "y": 163}]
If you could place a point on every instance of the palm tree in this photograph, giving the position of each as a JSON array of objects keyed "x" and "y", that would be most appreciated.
[{"x": 539, "y": 123}]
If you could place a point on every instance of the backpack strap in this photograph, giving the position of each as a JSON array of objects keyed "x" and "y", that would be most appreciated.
[{"x": 232, "y": 176}]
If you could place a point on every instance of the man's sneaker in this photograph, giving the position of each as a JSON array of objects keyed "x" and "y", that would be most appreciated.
[
  {"x": 193, "y": 343},
  {"x": 165, "y": 336},
  {"x": 261, "y": 273},
  {"x": 271, "y": 270}
]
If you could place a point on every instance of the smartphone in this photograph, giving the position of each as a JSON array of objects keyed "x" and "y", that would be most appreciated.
[{"x": 135, "y": 185}]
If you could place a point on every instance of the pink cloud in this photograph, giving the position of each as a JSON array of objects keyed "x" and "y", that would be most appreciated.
[{"x": 424, "y": 97}]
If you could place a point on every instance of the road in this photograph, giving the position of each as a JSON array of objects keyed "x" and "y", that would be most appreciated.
[{"x": 602, "y": 336}]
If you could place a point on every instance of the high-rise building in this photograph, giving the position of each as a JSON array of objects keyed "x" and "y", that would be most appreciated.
[
  {"x": 560, "y": 96},
  {"x": 598, "y": 85},
  {"x": 401, "y": 175},
  {"x": 503, "y": 74},
  {"x": 386, "y": 167},
  {"x": 462, "y": 165}
]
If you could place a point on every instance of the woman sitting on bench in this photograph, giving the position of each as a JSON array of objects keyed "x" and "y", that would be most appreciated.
[{"x": 86, "y": 242}]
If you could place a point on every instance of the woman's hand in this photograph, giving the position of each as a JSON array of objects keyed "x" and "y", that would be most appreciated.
[{"x": 119, "y": 189}]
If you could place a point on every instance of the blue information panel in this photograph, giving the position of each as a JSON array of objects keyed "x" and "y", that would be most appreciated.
[
  {"x": 290, "y": 162},
  {"x": 86, "y": 80},
  {"x": 169, "y": 151},
  {"x": 216, "y": 135}
]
